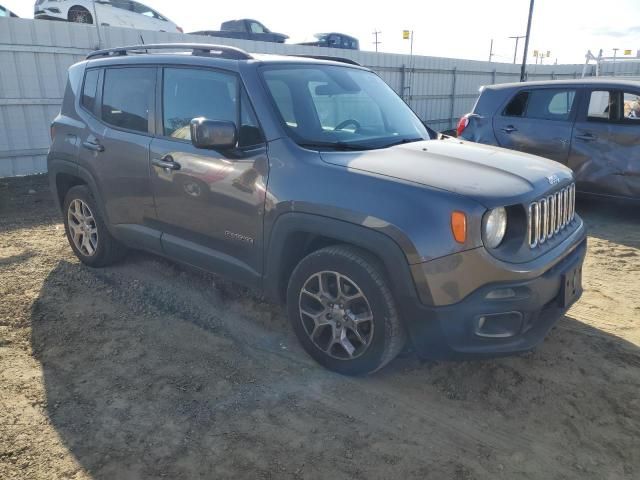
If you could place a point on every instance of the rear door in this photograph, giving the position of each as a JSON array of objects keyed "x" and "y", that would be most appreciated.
[
  {"x": 605, "y": 152},
  {"x": 210, "y": 203},
  {"x": 538, "y": 121},
  {"x": 116, "y": 149}
]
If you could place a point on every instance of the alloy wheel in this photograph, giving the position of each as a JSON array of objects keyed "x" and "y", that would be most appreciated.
[
  {"x": 336, "y": 315},
  {"x": 82, "y": 227}
]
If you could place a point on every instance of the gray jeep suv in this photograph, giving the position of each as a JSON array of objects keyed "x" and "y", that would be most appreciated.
[{"x": 312, "y": 182}]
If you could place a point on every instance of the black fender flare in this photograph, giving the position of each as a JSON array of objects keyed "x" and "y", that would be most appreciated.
[
  {"x": 379, "y": 244},
  {"x": 57, "y": 166}
]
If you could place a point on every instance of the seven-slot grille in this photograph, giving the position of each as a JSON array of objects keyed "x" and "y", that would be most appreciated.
[{"x": 550, "y": 215}]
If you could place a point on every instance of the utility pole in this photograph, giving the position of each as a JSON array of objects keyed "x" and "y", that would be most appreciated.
[
  {"x": 615, "y": 55},
  {"x": 515, "y": 51},
  {"x": 376, "y": 42},
  {"x": 491, "y": 51},
  {"x": 523, "y": 70}
]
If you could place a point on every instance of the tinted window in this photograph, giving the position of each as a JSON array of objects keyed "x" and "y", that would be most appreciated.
[
  {"x": 90, "y": 89},
  {"x": 600, "y": 105},
  {"x": 632, "y": 107},
  {"x": 517, "y": 105},
  {"x": 550, "y": 104},
  {"x": 3, "y": 12},
  {"x": 190, "y": 93},
  {"x": 128, "y": 96},
  {"x": 249, "y": 133}
]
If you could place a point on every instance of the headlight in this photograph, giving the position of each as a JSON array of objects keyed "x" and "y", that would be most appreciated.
[{"x": 494, "y": 226}]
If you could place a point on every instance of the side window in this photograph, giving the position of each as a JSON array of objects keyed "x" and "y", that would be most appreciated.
[
  {"x": 256, "y": 27},
  {"x": 600, "y": 105},
  {"x": 128, "y": 96},
  {"x": 3, "y": 12},
  {"x": 550, "y": 104},
  {"x": 517, "y": 105},
  {"x": 90, "y": 89},
  {"x": 632, "y": 107},
  {"x": 191, "y": 93}
]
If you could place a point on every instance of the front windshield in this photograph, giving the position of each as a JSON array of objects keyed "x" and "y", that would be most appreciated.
[{"x": 325, "y": 106}]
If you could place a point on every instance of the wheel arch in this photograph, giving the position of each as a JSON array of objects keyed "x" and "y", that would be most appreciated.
[
  {"x": 80, "y": 7},
  {"x": 296, "y": 235}
]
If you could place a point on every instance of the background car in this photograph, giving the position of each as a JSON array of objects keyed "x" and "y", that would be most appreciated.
[
  {"x": 334, "y": 40},
  {"x": 114, "y": 13},
  {"x": 5, "y": 12},
  {"x": 592, "y": 126},
  {"x": 246, "y": 29}
]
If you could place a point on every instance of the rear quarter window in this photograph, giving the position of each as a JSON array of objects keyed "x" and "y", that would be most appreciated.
[{"x": 90, "y": 90}]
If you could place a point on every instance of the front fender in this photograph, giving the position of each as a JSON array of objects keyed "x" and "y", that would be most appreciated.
[{"x": 371, "y": 239}]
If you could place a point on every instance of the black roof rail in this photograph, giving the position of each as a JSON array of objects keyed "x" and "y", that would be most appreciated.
[
  {"x": 220, "y": 51},
  {"x": 330, "y": 58}
]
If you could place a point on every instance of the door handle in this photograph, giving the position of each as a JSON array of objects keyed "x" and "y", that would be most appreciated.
[
  {"x": 587, "y": 137},
  {"x": 509, "y": 129},
  {"x": 166, "y": 162},
  {"x": 93, "y": 146}
]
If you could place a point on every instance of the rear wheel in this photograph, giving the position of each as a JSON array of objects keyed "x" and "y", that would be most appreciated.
[
  {"x": 79, "y": 15},
  {"x": 86, "y": 230},
  {"x": 342, "y": 311}
]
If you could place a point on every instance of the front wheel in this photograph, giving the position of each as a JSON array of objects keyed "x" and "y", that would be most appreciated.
[{"x": 342, "y": 311}]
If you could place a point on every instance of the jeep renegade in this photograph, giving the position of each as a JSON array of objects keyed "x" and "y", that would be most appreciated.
[{"x": 312, "y": 182}]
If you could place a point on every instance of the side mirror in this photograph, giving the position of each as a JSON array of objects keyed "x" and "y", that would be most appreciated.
[{"x": 215, "y": 134}]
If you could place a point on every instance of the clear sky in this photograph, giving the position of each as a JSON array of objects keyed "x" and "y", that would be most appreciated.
[{"x": 458, "y": 28}]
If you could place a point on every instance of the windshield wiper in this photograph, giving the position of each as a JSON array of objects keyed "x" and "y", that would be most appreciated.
[
  {"x": 342, "y": 146},
  {"x": 404, "y": 140}
]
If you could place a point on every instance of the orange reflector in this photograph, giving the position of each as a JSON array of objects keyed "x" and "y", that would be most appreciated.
[{"x": 459, "y": 226}]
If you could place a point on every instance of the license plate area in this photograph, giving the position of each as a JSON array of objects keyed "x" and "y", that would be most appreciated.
[{"x": 571, "y": 286}]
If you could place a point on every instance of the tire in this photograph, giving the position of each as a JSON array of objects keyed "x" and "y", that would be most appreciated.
[
  {"x": 315, "y": 311},
  {"x": 79, "y": 15},
  {"x": 86, "y": 230}
]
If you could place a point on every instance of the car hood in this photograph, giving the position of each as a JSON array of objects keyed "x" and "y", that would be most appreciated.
[{"x": 490, "y": 175}]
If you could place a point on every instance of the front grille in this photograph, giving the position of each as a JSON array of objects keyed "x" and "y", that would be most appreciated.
[{"x": 550, "y": 215}]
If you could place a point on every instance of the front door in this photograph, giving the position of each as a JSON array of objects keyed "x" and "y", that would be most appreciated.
[
  {"x": 209, "y": 203},
  {"x": 538, "y": 121}
]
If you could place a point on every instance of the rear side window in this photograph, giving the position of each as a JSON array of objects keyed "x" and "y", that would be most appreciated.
[
  {"x": 128, "y": 97},
  {"x": 190, "y": 93},
  {"x": 90, "y": 89},
  {"x": 517, "y": 105},
  {"x": 542, "y": 104}
]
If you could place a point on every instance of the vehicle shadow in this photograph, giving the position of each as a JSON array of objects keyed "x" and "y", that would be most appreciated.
[
  {"x": 612, "y": 220},
  {"x": 151, "y": 371}
]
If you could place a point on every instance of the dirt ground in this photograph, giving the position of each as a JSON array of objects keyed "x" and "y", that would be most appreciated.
[{"x": 149, "y": 370}]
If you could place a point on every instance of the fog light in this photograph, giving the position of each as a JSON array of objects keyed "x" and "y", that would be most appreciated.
[
  {"x": 499, "y": 325},
  {"x": 501, "y": 293}
]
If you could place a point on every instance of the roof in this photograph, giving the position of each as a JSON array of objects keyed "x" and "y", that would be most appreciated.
[
  {"x": 612, "y": 81},
  {"x": 205, "y": 52}
]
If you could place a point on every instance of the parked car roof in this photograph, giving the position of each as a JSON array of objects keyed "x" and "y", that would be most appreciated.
[{"x": 578, "y": 81}]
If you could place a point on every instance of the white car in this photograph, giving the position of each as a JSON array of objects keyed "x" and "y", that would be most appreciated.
[
  {"x": 5, "y": 12},
  {"x": 115, "y": 13}
]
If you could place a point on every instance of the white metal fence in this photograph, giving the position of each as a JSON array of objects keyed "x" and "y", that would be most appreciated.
[{"x": 35, "y": 55}]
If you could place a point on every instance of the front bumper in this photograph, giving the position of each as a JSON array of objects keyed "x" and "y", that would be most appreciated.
[{"x": 459, "y": 330}]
